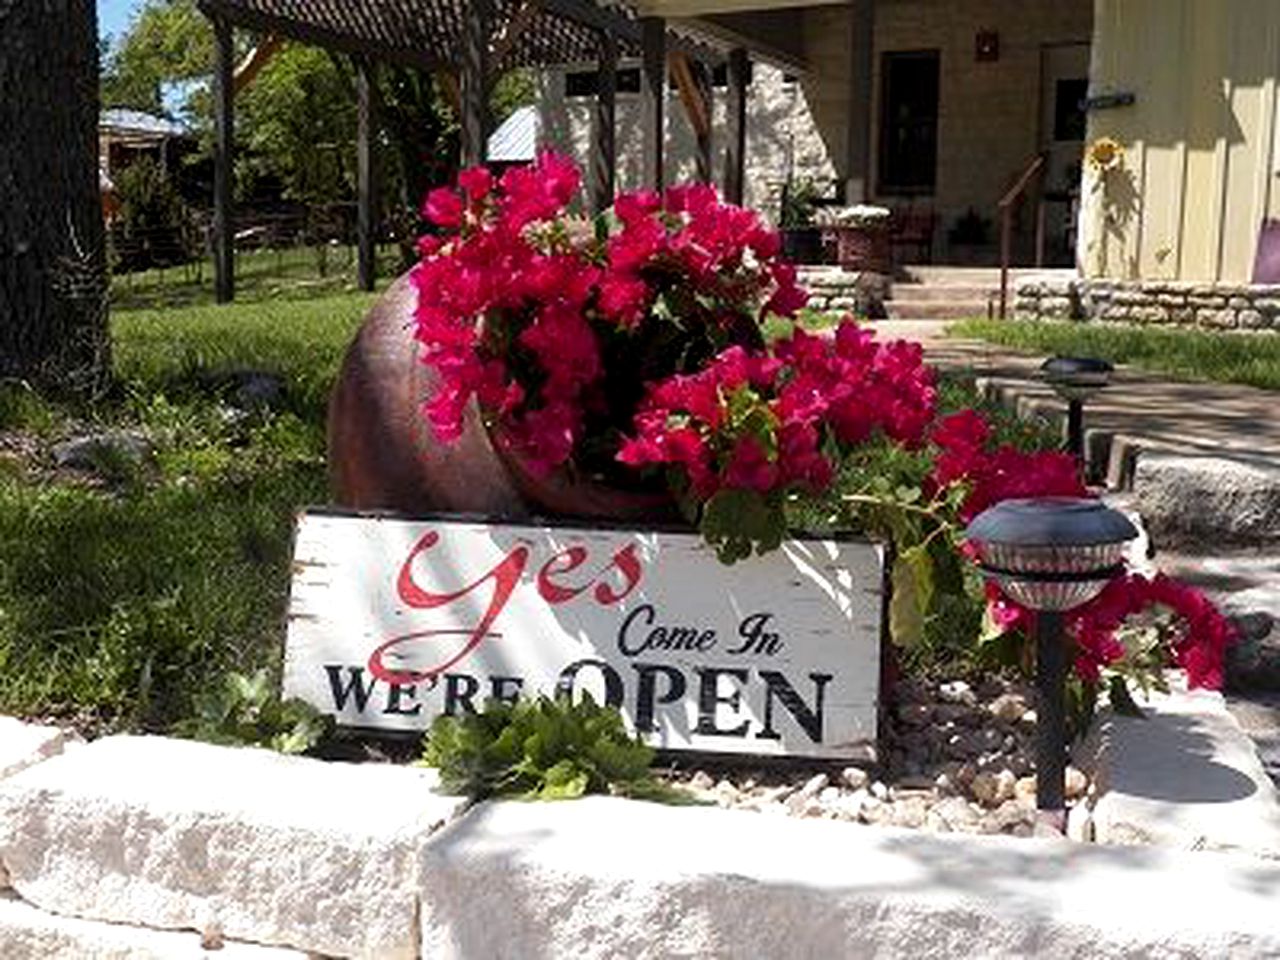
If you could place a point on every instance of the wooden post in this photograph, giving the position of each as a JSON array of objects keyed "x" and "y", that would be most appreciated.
[
  {"x": 735, "y": 161},
  {"x": 605, "y": 155},
  {"x": 473, "y": 80},
  {"x": 653, "y": 92},
  {"x": 858, "y": 140},
  {"x": 704, "y": 155},
  {"x": 366, "y": 175},
  {"x": 223, "y": 146}
]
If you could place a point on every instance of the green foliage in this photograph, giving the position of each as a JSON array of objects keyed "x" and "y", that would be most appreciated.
[
  {"x": 540, "y": 749},
  {"x": 120, "y": 603},
  {"x": 738, "y": 522},
  {"x": 154, "y": 226},
  {"x": 798, "y": 199},
  {"x": 245, "y": 710},
  {"x": 168, "y": 41}
]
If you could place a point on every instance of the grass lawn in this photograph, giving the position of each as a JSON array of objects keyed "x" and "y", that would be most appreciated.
[
  {"x": 125, "y": 590},
  {"x": 1252, "y": 359},
  {"x": 293, "y": 273}
]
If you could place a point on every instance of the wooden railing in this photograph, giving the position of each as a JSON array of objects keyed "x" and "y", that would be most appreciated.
[{"x": 1006, "y": 206}]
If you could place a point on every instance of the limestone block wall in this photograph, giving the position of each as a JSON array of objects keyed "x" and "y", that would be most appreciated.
[
  {"x": 1213, "y": 306},
  {"x": 782, "y": 135}
]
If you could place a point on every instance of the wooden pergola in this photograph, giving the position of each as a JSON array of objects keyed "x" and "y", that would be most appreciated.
[{"x": 468, "y": 44}]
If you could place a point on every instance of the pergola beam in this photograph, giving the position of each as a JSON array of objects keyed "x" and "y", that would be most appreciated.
[
  {"x": 366, "y": 175},
  {"x": 653, "y": 95},
  {"x": 858, "y": 144},
  {"x": 223, "y": 147},
  {"x": 694, "y": 88},
  {"x": 735, "y": 161},
  {"x": 256, "y": 59},
  {"x": 604, "y": 156},
  {"x": 473, "y": 79},
  {"x": 316, "y": 36}
]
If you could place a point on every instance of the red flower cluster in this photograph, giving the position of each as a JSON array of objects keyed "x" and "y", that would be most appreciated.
[
  {"x": 514, "y": 305},
  {"x": 1203, "y": 638},
  {"x": 756, "y": 421},
  {"x": 962, "y": 441}
]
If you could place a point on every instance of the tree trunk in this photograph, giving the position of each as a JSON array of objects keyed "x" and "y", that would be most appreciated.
[{"x": 53, "y": 279}]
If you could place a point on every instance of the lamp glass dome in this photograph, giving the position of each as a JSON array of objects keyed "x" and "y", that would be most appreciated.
[
  {"x": 1051, "y": 553},
  {"x": 1076, "y": 378}
]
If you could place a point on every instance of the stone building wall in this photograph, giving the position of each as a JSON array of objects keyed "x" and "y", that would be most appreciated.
[
  {"x": 782, "y": 137},
  {"x": 1212, "y": 306}
]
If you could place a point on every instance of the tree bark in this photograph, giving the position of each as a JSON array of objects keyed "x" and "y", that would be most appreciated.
[{"x": 53, "y": 277}]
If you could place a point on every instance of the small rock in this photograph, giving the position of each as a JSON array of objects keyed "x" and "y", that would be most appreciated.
[
  {"x": 909, "y": 812},
  {"x": 1076, "y": 783},
  {"x": 855, "y": 778},
  {"x": 1080, "y": 824},
  {"x": 95, "y": 450},
  {"x": 1024, "y": 791},
  {"x": 829, "y": 795},
  {"x": 993, "y": 789},
  {"x": 774, "y": 794},
  {"x": 879, "y": 791},
  {"x": 701, "y": 781},
  {"x": 915, "y": 714},
  {"x": 813, "y": 786},
  {"x": 957, "y": 691},
  {"x": 1028, "y": 719},
  {"x": 1008, "y": 707}
]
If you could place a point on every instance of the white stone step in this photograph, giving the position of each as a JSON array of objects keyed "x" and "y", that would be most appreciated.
[
  {"x": 25, "y": 744},
  {"x": 605, "y": 877},
  {"x": 935, "y": 309},
  {"x": 29, "y": 933},
  {"x": 270, "y": 849}
]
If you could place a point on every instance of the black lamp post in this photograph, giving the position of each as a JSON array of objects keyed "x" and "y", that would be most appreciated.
[
  {"x": 1076, "y": 379},
  {"x": 1051, "y": 554}
]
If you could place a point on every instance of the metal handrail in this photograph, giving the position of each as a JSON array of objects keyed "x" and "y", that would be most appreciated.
[{"x": 1005, "y": 205}]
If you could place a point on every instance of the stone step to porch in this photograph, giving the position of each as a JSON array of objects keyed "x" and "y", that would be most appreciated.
[
  {"x": 941, "y": 293},
  {"x": 943, "y": 275},
  {"x": 898, "y": 308}
]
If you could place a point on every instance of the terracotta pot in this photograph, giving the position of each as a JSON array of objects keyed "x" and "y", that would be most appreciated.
[
  {"x": 384, "y": 455},
  {"x": 863, "y": 248}
]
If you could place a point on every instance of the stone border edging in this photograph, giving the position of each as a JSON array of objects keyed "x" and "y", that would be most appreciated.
[
  {"x": 604, "y": 877},
  {"x": 284, "y": 854}
]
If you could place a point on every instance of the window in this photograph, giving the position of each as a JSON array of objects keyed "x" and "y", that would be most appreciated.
[
  {"x": 586, "y": 83},
  {"x": 908, "y": 123},
  {"x": 1068, "y": 109}
]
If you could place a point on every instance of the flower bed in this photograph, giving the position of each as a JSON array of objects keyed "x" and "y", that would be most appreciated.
[{"x": 629, "y": 350}]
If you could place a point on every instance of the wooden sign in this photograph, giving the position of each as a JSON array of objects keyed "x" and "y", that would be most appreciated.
[{"x": 394, "y": 621}]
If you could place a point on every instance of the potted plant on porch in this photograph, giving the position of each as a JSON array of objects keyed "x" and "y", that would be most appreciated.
[{"x": 861, "y": 234}]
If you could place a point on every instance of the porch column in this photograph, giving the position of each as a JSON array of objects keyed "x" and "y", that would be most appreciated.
[
  {"x": 735, "y": 160},
  {"x": 605, "y": 154},
  {"x": 366, "y": 176},
  {"x": 653, "y": 93},
  {"x": 704, "y": 155},
  {"x": 858, "y": 143},
  {"x": 224, "y": 262},
  {"x": 473, "y": 79}
]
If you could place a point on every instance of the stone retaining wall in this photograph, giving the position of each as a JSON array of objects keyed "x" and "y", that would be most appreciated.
[
  {"x": 1171, "y": 303},
  {"x": 836, "y": 289}
]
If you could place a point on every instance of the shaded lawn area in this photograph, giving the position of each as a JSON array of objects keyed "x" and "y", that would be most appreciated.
[
  {"x": 124, "y": 590},
  {"x": 1250, "y": 359}
]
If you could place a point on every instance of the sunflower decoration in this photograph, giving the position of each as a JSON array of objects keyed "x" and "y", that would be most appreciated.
[{"x": 1104, "y": 155}]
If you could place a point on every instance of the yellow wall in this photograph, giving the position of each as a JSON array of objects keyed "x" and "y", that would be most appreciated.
[{"x": 1200, "y": 166}]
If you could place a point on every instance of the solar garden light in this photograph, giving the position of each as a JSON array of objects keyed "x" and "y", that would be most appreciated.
[
  {"x": 1076, "y": 379},
  {"x": 1051, "y": 554}
]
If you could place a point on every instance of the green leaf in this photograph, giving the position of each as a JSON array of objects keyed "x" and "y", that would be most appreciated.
[
  {"x": 736, "y": 522},
  {"x": 912, "y": 590}
]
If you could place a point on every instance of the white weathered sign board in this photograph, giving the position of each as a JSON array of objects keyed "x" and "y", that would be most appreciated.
[{"x": 394, "y": 621}]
